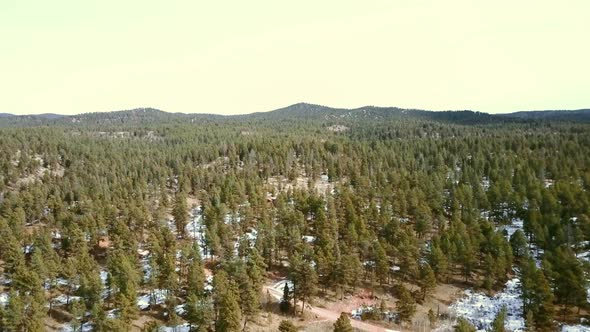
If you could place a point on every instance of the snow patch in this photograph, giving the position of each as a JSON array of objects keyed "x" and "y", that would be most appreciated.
[{"x": 480, "y": 309}]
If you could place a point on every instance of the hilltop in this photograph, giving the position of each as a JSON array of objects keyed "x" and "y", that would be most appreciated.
[{"x": 296, "y": 112}]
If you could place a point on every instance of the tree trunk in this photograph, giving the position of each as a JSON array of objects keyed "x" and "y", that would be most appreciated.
[{"x": 302, "y": 305}]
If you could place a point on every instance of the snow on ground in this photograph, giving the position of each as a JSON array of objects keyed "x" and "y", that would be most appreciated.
[
  {"x": 178, "y": 328},
  {"x": 584, "y": 256},
  {"x": 485, "y": 183},
  {"x": 158, "y": 296},
  {"x": 232, "y": 219},
  {"x": 4, "y": 280},
  {"x": 280, "y": 286},
  {"x": 86, "y": 327},
  {"x": 63, "y": 299},
  {"x": 114, "y": 313},
  {"x": 308, "y": 238},
  {"x": 3, "y": 299},
  {"x": 575, "y": 328},
  {"x": 358, "y": 313},
  {"x": 516, "y": 224},
  {"x": 250, "y": 236},
  {"x": 209, "y": 284},
  {"x": 481, "y": 309},
  {"x": 104, "y": 276},
  {"x": 180, "y": 309},
  {"x": 196, "y": 230}
]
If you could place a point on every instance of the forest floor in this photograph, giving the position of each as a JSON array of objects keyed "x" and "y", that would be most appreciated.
[
  {"x": 330, "y": 315},
  {"x": 329, "y": 308}
]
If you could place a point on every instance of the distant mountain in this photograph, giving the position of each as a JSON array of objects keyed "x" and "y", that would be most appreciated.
[
  {"x": 553, "y": 115},
  {"x": 138, "y": 116},
  {"x": 133, "y": 116},
  {"x": 374, "y": 113},
  {"x": 300, "y": 113},
  {"x": 50, "y": 116}
]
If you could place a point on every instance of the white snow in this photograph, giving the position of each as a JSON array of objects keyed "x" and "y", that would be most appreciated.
[
  {"x": 62, "y": 299},
  {"x": 481, "y": 309},
  {"x": 114, "y": 313},
  {"x": 3, "y": 299},
  {"x": 196, "y": 230},
  {"x": 308, "y": 238},
  {"x": 180, "y": 309},
  {"x": 86, "y": 327},
  {"x": 584, "y": 256},
  {"x": 517, "y": 224},
  {"x": 209, "y": 284},
  {"x": 358, "y": 313},
  {"x": 178, "y": 328},
  {"x": 5, "y": 280},
  {"x": 485, "y": 183},
  {"x": 250, "y": 236},
  {"x": 104, "y": 276},
  {"x": 158, "y": 296},
  {"x": 280, "y": 286},
  {"x": 575, "y": 328}
]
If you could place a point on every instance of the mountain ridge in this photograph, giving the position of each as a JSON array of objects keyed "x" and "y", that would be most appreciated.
[{"x": 298, "y": 111}]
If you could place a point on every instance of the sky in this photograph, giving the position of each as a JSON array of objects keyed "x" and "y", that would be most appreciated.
[{"x": 231, "y": 57}]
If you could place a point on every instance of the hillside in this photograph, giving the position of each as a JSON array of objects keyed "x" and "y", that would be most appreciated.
[
  {"x": 300, "y": 112},
  {"x": 143, "y": 217},
  {"x": 553, "y": 115}
]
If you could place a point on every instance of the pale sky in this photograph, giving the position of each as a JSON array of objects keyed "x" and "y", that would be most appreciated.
[{"x": 242, "y": 56}]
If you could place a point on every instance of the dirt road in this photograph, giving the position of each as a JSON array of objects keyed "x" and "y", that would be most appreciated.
[{"x": 329, "y": 314}]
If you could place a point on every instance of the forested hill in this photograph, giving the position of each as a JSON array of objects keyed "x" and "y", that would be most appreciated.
[
  {"x": 196, "y": 222},
  {"x": 296, "y": 112},
  {"x": 561, "y": 115},
  {"x": 374, "y": 113}
]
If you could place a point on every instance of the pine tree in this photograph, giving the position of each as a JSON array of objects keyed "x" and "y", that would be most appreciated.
[
  {"x": 529, "y": 322},
  {"x": 304, "y": 279},
  {"x": 3, "y": 326},
  {"x": 342, "y": 324},
  {"x": 14, "y": 319},
  {"x": 438, "y": 261},
  {"x": 99, "y": 318},
  {"x": 464, "y": 326},
  {"x": 171, "y": 314},
  {"x": 35, "y": 312},
  {"x": 287, "y": 326},
  {"x": 498, "y": 322},
  {"x": 255, "y": 268},
  {"x": 227, "y": 306},
  {"x": 249, "y": 295},
  {"x": 285, "y": 304},
  {"x": 537, "y": 296},
  {"x": 406, "y": 306},
  {"x": 180, "y": 213},
  {"x": 195, "y": 276},
  {"x": 519, "y": 245},
  {"x": 381, "y": 263},
  {"x": 427, "y": 280},
  {"x": 77, "y": 315},
  {"x": 198, "y": 313}
]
